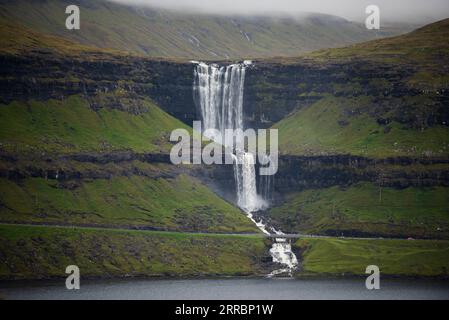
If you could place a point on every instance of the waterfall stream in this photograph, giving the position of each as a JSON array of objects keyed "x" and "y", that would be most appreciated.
[{"x": 218, "y": 92}]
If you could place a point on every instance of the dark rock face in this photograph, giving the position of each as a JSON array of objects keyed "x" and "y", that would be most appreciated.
[
  {"x": 169, "y": 84},
  {"x": 274, "y": 90},
  {"x": 67, "y": 168},
  {"x": 298, "y": 173}
]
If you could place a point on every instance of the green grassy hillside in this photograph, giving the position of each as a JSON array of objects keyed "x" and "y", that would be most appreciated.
[
  {"x": 71, "y": 126},
  {"x": 385, "y": 98},
  {"x": 181, "y": 203},
  {"x": 115, "y": 253},
  {"x": 128, "y": 193},
  {"x": 15, "y": 38},
  {"x": 366, "y": 209},
  {"x": 379, "y": 99},
  {"x": 34, "y": 252},
  {"x": 430, "y": 39},
  {"x": 161, "y": 33},
  {"x": 338, "y": 257},
  {"x": 426, "y": 49},
  {"x": 325, "y": 128}
]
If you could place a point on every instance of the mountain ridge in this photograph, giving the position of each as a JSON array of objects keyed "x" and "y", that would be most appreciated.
[{"x": 161, "y": 33}]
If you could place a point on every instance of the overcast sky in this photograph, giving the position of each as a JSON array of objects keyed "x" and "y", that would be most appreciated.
[{"x": 391, "y": 10}]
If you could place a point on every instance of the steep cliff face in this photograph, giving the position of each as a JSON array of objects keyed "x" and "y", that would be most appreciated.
[
  {"x": 84, "y": 141},
  {"x": 356, "y": 123},
  {"x": 298, "y": 173},
  {"x": 274, "y": 90},
  {"x": 105, "y": 80}
]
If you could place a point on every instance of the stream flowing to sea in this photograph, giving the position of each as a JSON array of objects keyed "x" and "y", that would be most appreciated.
[{"x": 218, "y": 93}]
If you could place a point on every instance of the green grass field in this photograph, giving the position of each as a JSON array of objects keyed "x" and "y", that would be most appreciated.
[
  {"x": 180, "y": 203},
  {"x": 33, "y": 252},
  {"x": 318, "y": 130},
  {"x": 338, "y": 257},
  {"x": 364, "y": 208},
  {"x": 70, "y": 126}
]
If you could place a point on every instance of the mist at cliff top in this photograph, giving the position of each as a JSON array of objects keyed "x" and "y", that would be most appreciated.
[{"x": 412, "y": 11}]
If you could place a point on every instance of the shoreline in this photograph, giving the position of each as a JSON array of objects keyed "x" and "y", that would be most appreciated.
[{"x": 296, "y": 277}]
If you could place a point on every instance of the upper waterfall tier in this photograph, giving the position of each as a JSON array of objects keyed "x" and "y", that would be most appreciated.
[{"x": 218, "y": 92}]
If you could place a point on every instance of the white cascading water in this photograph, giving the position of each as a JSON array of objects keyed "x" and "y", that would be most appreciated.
[
  {"x": 218, "y": 92},
  {"x": 245, "y": 177}
]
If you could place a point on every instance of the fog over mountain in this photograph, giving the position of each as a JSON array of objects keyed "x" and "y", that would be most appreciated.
[
  {"x": 190, "y": 34},
  {"x": 411, "y": 11}
]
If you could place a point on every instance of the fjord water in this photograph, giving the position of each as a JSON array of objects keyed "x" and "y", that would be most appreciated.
[
  {"x": 227, "y": 289},
  {"x": 218, "y": 92}
]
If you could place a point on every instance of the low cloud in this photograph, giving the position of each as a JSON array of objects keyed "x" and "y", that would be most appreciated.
[{"x": 394, "y": 11}]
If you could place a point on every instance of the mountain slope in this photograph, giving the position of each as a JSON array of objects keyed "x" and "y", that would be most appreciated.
[
  {"x": 157, "y": 199},
  {"x": 325, "y": 128},
  {"x": 369, "y": 131},
  {"x": 90, "y": 148},
  {"x": 72, "y": 126},
  {"x": 381, "y": 98},
  {"x": 365, "y": 209},
  {"x": 427, "y": 44},
  {"x": 161, "y": 33}
]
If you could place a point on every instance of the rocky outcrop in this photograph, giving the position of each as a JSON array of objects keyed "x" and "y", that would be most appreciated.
[
  {"x": 119, "y": 78},
  {"x": 274, "y": 90},
  {"x": 297, "y": 173}
]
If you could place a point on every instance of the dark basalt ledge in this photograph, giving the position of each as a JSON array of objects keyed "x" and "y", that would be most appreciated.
[
  {"x": 118, "y": 157},
  {"x": 272, "y": 90},
  {"x": 275, "y": 90},
  {"x": 295, "y": 173},
  {"x": 167, "y": 83}
]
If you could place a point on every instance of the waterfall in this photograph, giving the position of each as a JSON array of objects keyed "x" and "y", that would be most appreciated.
[
  {"x": 218, "y": 93},
  {"x": 245, "y": 177},
  {"x": 266, "y": 187}
]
